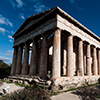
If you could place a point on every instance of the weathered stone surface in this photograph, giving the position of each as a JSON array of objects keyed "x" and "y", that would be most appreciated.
[
  {"x": 26, "y": 59},
  {"x": 88, "y": 60},
  {"x": 98, "y": 62},
  {"x": 13, "y": 68},
  {"x": 43, "y": 59},
  {"x": 65, "y": 58},
  {"x": 70, "y": 56},
  {"x": 67, "y": 82},
  {"x": 56, "y": 54},
  {"x": 95, "y": 70},
  {"x": 49, "y": 83},
  {"x": 80, "y": 59},
  {"x": 19, "y": 60},
  {"x": 33, "y": 63}
]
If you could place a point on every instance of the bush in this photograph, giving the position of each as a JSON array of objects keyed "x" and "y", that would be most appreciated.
[
  {"x": 89, "y": 93},
  {"x": 29, "y": 93},
  {"x": 4, "y": 68}
]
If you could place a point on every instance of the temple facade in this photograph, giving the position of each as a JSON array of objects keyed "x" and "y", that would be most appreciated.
[{"x": 52, "y": 42}]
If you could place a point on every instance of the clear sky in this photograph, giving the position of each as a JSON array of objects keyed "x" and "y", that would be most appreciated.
[{"x": 14, "y": 12}]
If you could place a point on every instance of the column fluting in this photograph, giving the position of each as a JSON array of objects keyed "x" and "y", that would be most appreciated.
[
  {"x": 70, "y": 56},
  {"x": 56, "y": 67},
  {"x": 33, "y": 61},
  {"x": 25, "y": 60}
]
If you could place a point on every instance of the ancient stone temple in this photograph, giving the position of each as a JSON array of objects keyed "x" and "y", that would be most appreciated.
[{"x": 53, "y": 42}]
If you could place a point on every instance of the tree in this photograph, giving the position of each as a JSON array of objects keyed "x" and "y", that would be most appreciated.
[{"x": 4, "y": 68}]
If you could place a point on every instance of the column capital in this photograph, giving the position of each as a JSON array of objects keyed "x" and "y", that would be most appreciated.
[
  {"x": 15, "y": 47},
  {"x": 58, "y": 29},
  {"x": 93, "y": 46},
  {"x": 80, "y": 40},
  {"x": 26, "y": 42},
  {"x": 87, "y": 43},
  {"x": 70, "y": 35}
]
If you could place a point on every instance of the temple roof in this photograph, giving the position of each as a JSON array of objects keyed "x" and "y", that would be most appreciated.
[{"x": 63, "y": 14}]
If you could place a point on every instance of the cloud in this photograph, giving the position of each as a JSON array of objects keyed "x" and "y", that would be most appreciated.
[
  {"x": 4, "y": 20},
  {"x": 39, "y": 7},
  {"x": 75, "y": 2},
  {"x": 2, "y": 30},
  {"x": 17, "y": 3},
  {"x": 10, "y": 41},
  {"x": 12, "y": 32},
  {"x": 6, "y": 59},
  {"x": 7, "y": 31},
  {"x": 9, "y": 53},
  {"x": 72, "y": 1},
  {"x": 21, "y": 15},
  {"x": 10, "y": 37}
]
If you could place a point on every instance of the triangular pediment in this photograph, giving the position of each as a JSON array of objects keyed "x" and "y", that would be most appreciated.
[{"x": 32, "y": 19}]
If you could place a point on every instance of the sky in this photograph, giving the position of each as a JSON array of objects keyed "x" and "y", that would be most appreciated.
[{"x": 14, "y": 12}]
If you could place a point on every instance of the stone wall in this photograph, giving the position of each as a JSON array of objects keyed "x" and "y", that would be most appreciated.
[
  {"x": 64, "y": 83},
  {"x": 58, "y": 84}
]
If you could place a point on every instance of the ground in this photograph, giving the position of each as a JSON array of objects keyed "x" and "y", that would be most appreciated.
[
  {"x": 91, "y": 92},
  {"x": 12, "y": 87},
  {"x": 66, "y": 96}
]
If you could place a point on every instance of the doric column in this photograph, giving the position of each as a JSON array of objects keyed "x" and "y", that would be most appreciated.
[
  {"x": 43, "y": 59},
  {"x": 80, "y": 58},
  {"x": 56, "y": 67},
  {"x": 25, "y": 60},
  {"x": 84, "y": 57},
  {"x": 88, "y": 60},
  {"x": 19, "y": 60},
  {"x": 98, "y": 62},
  {"x": 32, "y": 70},
  {"x": 64, "y": 46},
  {"x": 95, "y": 72},
  {"x": 13, "y": 68},
  {"x": 70, "y": 56},
  {"x": 64, "y": 61}
]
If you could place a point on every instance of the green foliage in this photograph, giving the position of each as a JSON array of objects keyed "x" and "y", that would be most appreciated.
[
  {"x": 34, "y": 92},
  {"x": 6, "y": 81},
  {"x": 21, "y": 85},
  {"x": 4, "y": 68}
]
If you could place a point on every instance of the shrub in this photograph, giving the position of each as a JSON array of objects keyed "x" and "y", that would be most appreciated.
[
  {"x": 29, "y": 93},
  {"x": 89, "y": 93},
  {"x": 4, "y": 68}
]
